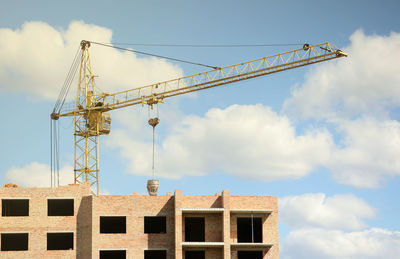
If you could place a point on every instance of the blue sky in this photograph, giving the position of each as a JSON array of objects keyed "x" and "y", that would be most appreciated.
[{"x": 324, "y": 138}]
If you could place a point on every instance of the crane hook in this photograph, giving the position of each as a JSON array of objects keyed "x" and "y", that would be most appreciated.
[{"x": 154, "y": 121}]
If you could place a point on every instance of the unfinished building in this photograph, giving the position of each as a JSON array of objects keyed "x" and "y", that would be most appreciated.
[{"x": 68, "y": 222}]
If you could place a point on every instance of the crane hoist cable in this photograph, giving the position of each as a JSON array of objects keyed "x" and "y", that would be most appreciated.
[
  {"x": 51, "y": 152},
  {"x": 67, "y": 82},
  {"x": 54, "y": 153},
  {"x": 54, "y": 125},
  {"x": 153, "y": 122},
  {"x": 154, "y": 55}
]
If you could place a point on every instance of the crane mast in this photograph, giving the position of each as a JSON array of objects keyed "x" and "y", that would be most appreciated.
[
  {"x": 86, "y": 130},
  {"x": 90, "y": 110}
]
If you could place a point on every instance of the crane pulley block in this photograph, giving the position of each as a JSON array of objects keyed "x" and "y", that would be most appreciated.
[{"x": 152, "y": 100}]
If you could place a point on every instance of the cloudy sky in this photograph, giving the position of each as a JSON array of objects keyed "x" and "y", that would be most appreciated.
[{"x": 325, "y": 139}]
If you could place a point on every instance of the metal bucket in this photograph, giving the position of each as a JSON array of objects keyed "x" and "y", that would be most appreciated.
[{"x": 152, "y": 187}]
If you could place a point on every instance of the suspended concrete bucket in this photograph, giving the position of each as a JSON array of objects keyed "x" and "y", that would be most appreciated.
[{"x": 152, "y": 187}]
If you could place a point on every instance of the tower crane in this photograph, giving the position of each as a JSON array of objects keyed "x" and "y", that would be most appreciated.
[{"x": 90, "y": 112}]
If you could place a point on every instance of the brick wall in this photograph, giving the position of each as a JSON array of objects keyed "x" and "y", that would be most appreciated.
[
  {"x": 220, "y": 225},
  {"x": 38, "y": 224},
  {"x": 135, "y": 208}
]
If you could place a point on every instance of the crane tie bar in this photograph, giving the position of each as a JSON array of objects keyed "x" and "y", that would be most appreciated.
[{"x": 154, "y": 55}]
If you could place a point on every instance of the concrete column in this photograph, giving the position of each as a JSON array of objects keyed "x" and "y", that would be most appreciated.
[
  {"x": 178, "y": 224},
  {"x": 226, "y": 219}
]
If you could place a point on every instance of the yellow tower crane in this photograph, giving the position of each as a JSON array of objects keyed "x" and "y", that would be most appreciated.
[{"x": 90, "y": 111}]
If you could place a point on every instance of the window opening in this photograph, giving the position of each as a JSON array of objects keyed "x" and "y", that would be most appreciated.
[
  {"x": 113, "y": 225},
  {"x": 60, "y": 207},
  {"x": 157, "y": 225},
  {"x": 112, "y": 254},
  {"x": 60, "y": 241},
  {"x": 192, "y": 254},
  {"x": 250, "y": 254},
  {"x": 155, "y": 254},
  {"x": 14, "y": 207},
  {"x": 194, "y": 229},
  {"x": 252, "y": 228},
  {"x": 249, "y": 230},
  {"x": 14, "y": 242}
]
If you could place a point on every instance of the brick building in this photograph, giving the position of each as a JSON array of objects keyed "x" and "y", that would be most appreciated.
[{"x": 68, "y": 222}]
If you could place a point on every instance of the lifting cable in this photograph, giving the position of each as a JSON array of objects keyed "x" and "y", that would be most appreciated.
[
  {"x": 68, "y": 82},
  {"x": 54, "y": 124},
  {"x": 54, "y": 153},
  {"x": 153, "y": 122},
  {"x": 51, "y": 152},
  {"x": 152, "y": 166},
  {"x": 153, "y": 55}
]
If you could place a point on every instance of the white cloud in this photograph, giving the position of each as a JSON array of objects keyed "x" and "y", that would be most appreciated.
[
  {"x": 38, "y": 175},
  {"x": 369, "y": 152},
  {"x": 317, "y": 210},
  {"x": 373, "y": 243},
  {"x": 248, "y": 141},
  {"x": 320, "y": 229},
  {"x": 356, "y": 95},
  {"x": 35, "y": 60},
  {"x": 256, "y": 143},
  {"x": 365, "y": 82}
]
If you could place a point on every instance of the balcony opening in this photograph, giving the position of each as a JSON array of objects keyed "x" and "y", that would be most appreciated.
[
  {"x": 249, "y": 230},
  {"x": 191, "y": 254},
  {"x": 155, "y": 254},
  {"x": 250, "y": 254},
  {"x": 194, "y": 229},
  {"x": 14, "y": 207},
  {"x": 156, "y": 225},
  {"x": 112, "y": 225},
  {"x": 60, "y": 241},
  {"x": 60, "y": 207},
  {"x": 14, "y": 242},
  {"x": 112, "y": 254}
]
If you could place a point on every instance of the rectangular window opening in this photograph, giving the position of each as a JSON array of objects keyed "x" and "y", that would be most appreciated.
[
  {"x": 155, "y": 254},
  {"x": 112, "y": 254},
  {"x": 14, "y": 242},
  {"x": 112, "y": 225},
  {"x": 194, "y": 254},
  {"x": 250, "y": 254},
  {"x": 249, "y": 230},
  {"x": 194, "y": 229},
  {"x": 60, "y": 241},
  {"x": 14, "y": 207},
  {"x": 60, "y": 207},
  {"x": 156, "y": 225}
]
